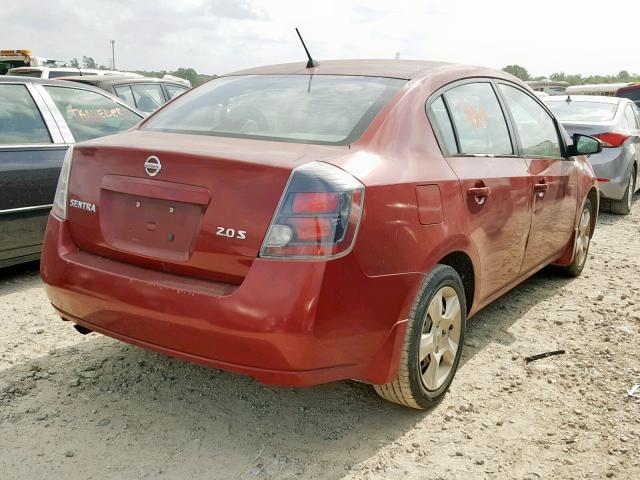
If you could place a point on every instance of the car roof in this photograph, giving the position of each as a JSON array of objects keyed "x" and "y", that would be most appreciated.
[
  {"x": 36, "y": 80},
  {"x": 584, "y": 98},
  {"x": 115, "y": 79},
  {"x": 40, "y": 69},
  {"x": 391, "y": 68},
  {"x": 64, "y": 83}
]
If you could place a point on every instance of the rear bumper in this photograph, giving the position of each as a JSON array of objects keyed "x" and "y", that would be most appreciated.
[
  {"x": 289, "y": 323},
  {"x": 613, "y": 165}
]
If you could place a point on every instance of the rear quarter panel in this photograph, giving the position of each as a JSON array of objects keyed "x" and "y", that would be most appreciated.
[{"x": 397, "y": 155}]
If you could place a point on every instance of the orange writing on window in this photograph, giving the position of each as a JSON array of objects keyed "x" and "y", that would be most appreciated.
[
  {"x": 93, "y": 114},
  {"x": 476, "y": 117}
]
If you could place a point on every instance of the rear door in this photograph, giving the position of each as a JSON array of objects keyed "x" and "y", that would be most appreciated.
[
  {"x": 31, "y": 153},
  {"x": 494, "y": 179},
  {"x": 553, "y": 178}
]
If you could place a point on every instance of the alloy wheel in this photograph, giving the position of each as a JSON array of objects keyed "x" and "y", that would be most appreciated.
[
  {"x": 440, "y": 338},
  {"x": 583, "y": 237}
]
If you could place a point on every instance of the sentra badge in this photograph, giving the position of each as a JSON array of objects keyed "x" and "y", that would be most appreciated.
[{"x": 89, "y": 207}]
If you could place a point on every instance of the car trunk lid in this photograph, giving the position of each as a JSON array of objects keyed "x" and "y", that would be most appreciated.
[{"x": 186, "y": 204}]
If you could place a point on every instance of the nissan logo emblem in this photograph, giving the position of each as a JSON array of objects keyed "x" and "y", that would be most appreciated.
[{"x": 152, "y": 166}]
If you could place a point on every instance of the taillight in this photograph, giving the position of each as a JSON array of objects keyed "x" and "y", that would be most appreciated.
[
  {"x": 612, "y": 139},
  {"x": 59, "y": 208},
  {"x": 318, "y": 214}
]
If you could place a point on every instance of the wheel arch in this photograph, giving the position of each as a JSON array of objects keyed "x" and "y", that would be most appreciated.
[{"x": 463, "y": 265}]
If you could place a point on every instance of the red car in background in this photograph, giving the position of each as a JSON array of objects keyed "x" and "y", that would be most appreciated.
[{"x": 304, "y": 225}]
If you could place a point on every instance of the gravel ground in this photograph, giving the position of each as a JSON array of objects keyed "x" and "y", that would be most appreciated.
[{"x": 79, "y": 407}]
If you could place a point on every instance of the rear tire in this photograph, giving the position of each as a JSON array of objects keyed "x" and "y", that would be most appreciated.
[
  {"x": 623, "y": 207},
  {"x": 433, "y": 342},
  {"x": 582, "y": 241}
]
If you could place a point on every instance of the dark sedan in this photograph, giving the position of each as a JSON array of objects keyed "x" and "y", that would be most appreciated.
[
  {"x": 145, "y": 93},
  {"x": 39, "y": 119}
]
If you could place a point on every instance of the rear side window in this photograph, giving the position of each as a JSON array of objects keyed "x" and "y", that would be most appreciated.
[
  {"x": 630, "y": 118},
  {"x": 90, "y": 114},
  {"x": 125, "y": 93},
  {"x": 536, "y": 128},
  {"x": 478, "y": 119},
  {"x": 148, "y": 97},
  {"x": 442, "y": 124},
  {"x": 64, "y": 73},
  {"x": 20, "y": 119},
  {"x": 174, "y": 90},
  {"x": 27, "y": 73}
]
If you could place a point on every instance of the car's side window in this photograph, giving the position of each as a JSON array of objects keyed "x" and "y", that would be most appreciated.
[
  {"x": 174, "y": 90},
  {"x": 58, "y": 73},
  {"x": 536, "y": 128},
  {"x": 90, "y": 114},
  {"x": 125, "y": 93},
  {"x": 478, "y": 119},
  {"x": 148, "y": 97},
  {"x": 442, "y": 124},
  {"x": 636, "y": 112},
  {"x": 20, "y": 120},
  {"x": 630, "y": 118}
]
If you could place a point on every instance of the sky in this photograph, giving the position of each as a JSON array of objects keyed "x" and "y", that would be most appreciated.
[{"x": 219, "y": 36}]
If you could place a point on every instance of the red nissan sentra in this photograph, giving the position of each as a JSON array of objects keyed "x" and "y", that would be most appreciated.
[{"x": 304, "y": 225}]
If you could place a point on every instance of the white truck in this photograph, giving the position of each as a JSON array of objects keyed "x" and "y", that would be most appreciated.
[
  {"x": 21, "y": 58},
  {"x": 22, "y": 63}
]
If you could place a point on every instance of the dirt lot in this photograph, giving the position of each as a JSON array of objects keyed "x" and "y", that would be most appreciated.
[{"x": 91, "y": 407}]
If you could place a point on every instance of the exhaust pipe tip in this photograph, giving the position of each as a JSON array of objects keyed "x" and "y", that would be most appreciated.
[{"x": 81, "y": 329}]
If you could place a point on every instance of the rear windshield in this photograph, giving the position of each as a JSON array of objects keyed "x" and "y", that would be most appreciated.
[
  {"x": 574, "y": 111},
  {"x": 321, "y": 109}
]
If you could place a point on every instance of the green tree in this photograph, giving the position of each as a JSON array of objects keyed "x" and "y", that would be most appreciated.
[
  {"x": 558, "y": 77},
  {"x": 623, "y": 76},
  {"x": 74, "y": 63},
  {"x": 517, "y": 71},
  {"x": 88, "y": 62}
]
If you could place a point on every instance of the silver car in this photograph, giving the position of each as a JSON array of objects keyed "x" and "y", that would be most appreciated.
[{"x": 616, "y": 122}]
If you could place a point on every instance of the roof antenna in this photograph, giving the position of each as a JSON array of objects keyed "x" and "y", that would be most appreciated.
[{"x": 311, "y": 63}]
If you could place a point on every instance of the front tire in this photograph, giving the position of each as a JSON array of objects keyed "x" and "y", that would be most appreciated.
[
  {"x": 582, "y": 241},
  {"x": 433, "y": 342}
]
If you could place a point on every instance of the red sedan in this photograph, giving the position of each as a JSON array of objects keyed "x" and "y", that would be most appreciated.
[{"x": 304, "y": 225}]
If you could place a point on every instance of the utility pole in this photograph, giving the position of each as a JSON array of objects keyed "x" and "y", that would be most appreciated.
[{"x": 113, "y": 54}]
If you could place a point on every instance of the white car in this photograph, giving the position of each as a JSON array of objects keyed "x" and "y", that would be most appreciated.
[{"x": 57, "y": 72}]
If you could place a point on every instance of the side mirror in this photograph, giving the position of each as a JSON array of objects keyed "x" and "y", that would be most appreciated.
[{"x": 584, "y": 145}]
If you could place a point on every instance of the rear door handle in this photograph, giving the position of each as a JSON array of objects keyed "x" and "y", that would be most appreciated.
[{"x": 479, "y": 194}]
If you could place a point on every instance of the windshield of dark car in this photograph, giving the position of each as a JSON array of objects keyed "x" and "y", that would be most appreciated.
[
  {"x": 323, "y": 109},
  {"x": 579, "y": 111},
  {"x": 630, "y": 93}
]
